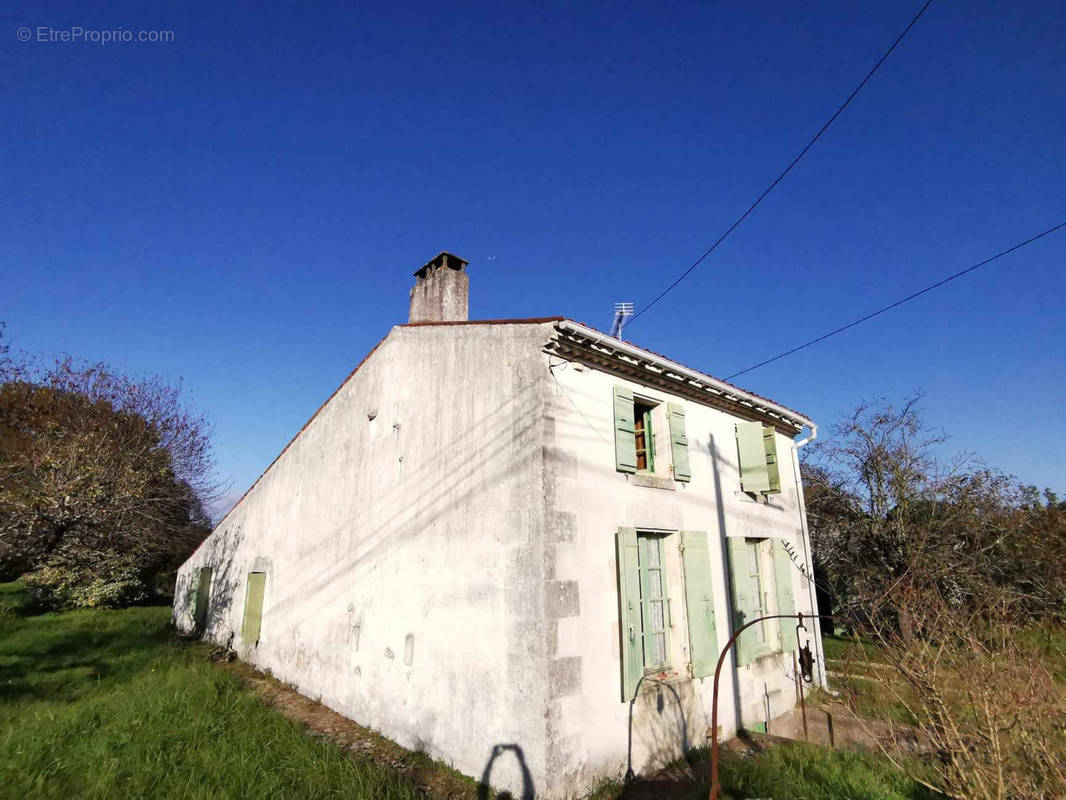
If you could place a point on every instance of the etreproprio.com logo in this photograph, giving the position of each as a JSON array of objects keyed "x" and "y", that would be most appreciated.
[{"x": 78, "y": 34}]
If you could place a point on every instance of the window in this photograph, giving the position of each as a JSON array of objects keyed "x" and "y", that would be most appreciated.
[
  {"x": 758, "y": 604},
  {"x": 643, "y": 436},
  {"x": 754, "y": 585},
  {"x": 637, "y": 445},
  {"x": 757, "y": 450},
  {"x": 647, "y": 624},
  {"x": 653, "y": 601}
]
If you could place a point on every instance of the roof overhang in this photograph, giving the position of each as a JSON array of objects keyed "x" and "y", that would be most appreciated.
[{"x": 581, "y": 343}]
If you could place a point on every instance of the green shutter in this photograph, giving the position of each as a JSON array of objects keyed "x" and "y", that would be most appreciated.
[
  {"x": 699, "y": 603},
  {"x": 253, "y": 607},
  {"x": 773, "y": 474},
  {"x": 754, "y": 476},
  {"x": 203, "y": 595},
  {"x": 786, "y": 603},
  {"x": 625, "y": 442},
  {"x": 629, "y": 610},
  {"x": 679, "y": 442},
  {"x": 743, "y": 602}
]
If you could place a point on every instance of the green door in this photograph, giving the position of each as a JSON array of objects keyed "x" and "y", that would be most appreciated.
[
  {"x": 253, "y": 607},
  {"x": 203, "y": 596}
]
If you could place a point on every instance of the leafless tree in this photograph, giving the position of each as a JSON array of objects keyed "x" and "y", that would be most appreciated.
[{"x": 950, "y": 569}]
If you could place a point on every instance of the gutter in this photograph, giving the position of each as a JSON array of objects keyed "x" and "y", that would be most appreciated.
[
  {"x": 714, "y": 384},
  {"x": 819, "y": 652}
]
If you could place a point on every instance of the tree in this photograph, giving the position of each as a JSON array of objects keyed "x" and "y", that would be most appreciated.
[
  {"x": 103, "y": 480},
  {"x": 947, "y": 567}
]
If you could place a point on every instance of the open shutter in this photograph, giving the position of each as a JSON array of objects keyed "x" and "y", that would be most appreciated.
[
  {"x": 253, "y": 608},
  {"x": 786, "y": 602},
  {"x": 679, "y": 442},
  {"x": 629, "y": 610},
  {"x": 699, "y": 603},
  {"x": 743, "y": 602},
  {"x": 203, "y": 596},
  {"x": 625, "y": 442},
  {"x": 773, "y": 474},
  {"x": 754, "y": 476}
]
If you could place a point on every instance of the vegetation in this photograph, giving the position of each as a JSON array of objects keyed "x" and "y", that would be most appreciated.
[
  {"x": 948, "y": 572},
  {"x": 107, "y": 704},
  {"x": 103, "y": 481}
]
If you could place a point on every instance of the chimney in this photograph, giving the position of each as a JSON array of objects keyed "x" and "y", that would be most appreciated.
[{"x": 441, "y": 291}]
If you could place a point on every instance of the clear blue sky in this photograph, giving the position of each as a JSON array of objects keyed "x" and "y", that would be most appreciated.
[{"x": 244, "y": 207}]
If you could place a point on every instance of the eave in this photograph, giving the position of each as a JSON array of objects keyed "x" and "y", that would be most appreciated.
[{"x": 576, "y": 342}]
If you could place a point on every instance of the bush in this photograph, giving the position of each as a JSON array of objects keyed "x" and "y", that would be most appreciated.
[{"x": 61, "y": 587}]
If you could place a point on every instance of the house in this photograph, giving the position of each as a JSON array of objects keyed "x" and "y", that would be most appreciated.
[{"x": 493, "y": 529}]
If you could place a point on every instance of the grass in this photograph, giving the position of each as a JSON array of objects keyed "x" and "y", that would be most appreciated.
[
  {"x": 108, "y": 704},
  {"x": 794, "y": 770},
  {"x": 850, "y": 648}
]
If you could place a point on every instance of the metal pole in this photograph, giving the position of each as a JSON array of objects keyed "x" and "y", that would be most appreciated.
[{"x": 714, "y": 702}]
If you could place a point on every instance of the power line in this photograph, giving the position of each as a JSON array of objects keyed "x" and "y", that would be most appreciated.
[
  {"x": 788, "y": 169},
  {"x": 900, "y": 302}
]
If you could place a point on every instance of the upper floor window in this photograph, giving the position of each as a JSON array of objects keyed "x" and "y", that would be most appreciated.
[
  {"x": 648, "y": 434},
  {"x": 757, "y": 451}
]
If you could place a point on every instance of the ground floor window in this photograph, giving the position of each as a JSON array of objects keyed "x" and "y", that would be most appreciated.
[{"x": 654, "y": 602}]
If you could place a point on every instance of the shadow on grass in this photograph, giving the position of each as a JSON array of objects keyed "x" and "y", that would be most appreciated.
[{"x": 61, "y": 657}]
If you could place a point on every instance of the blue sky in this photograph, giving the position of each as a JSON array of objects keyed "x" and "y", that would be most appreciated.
[{"x": 243, "y": 207}]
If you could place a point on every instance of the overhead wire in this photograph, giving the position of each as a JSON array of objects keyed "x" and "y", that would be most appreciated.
[
  {"x": 899, "y": 302},
  {"x": 787, "y": 169}
]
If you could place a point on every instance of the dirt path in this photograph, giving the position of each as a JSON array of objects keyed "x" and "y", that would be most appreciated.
[{"x": 433, "y": 779}]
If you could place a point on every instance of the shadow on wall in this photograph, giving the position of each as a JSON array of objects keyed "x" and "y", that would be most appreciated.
[
  {"x": 483, "y": 787},
  {"x": 227, "y": 580},
  {"x": 660, "y": 724}
]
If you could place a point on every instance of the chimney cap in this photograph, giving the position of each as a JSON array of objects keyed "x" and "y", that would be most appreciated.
[{"x": 442, "y": 259}]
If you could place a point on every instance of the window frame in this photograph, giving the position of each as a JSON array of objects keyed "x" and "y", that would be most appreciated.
[
  {"x": 757, "y": 581},
  {"x": 644, "y": 539},
  {"x": 644, "y": 430}
]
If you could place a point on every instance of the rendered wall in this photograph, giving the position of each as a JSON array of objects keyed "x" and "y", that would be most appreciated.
[
  {"x": 587, "y": 502},
  {"x": 404, "y": 554}
]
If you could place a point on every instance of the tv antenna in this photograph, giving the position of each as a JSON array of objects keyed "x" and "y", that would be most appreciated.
[{"x": 622, "y": 312}]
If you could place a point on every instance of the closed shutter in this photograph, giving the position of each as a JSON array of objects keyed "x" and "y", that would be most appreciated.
[
  {"x": 625, "y": 443},
  {"x": 751, "y": 446},
  {"x": 679, "y": 442},
  {"x": 773, "y": 474},
  {"x": 743, "y": 602},
  {"x": 203, "y": 595},
  {"x": 786, "y": 602},
  {"x": 629, "y": 610},
  {"x": 253, "y": 607},
  {"x": 699, "y": 603}
]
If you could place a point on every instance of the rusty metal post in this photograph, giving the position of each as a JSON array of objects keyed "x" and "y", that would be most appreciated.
[
  {"x": 715, "y": 788},
  {"x": 802, "y": 698}
]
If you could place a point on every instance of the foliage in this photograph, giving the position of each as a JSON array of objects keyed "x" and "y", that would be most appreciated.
[
  {"x": 103, "y": 480},
  {"x": 945, "y": 567},
  {"x": 880, "y": 505}
]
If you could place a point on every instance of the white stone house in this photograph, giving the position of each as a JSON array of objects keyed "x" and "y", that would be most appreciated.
[{"x": 492, "y": 529}]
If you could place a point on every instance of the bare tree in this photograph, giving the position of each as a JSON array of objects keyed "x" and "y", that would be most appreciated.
[{"x": 948, "y": 568}]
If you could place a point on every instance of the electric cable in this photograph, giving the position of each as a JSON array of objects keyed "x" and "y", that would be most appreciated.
[
  {"x": 788, "y": 169},
  {"x": 898, "y": 303}
]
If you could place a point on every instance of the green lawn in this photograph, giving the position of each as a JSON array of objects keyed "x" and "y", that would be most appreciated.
[{"x": 108, "y": 704}]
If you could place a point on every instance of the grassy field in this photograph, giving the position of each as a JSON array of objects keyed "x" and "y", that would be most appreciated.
[{"x": 108, "y": 704}]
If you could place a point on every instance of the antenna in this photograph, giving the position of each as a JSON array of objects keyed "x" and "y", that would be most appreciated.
[{"x": 622, "y": 312}]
